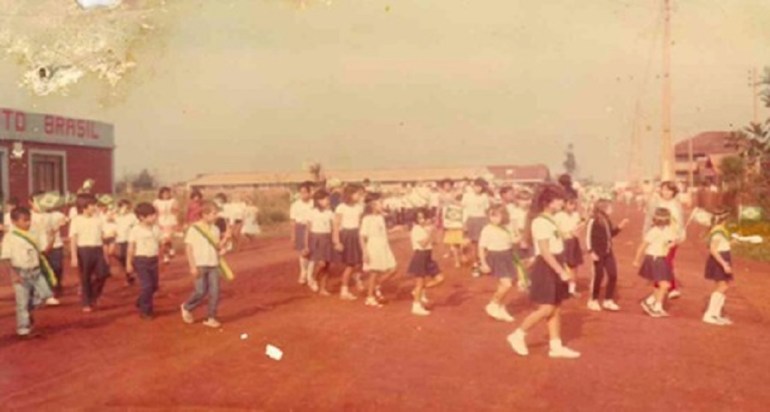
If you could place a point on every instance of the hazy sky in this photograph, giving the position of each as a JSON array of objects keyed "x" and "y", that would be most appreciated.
[{"x": 263, "y": 85}]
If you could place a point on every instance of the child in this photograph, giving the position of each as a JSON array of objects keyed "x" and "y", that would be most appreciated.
[
  {"x": 496, "y": 256},
  {"x": 124, "y": 222},
  {"x": 204, "y": 247},
  {"x": 422, "y": 266},
  {"x": 599, "y": 243},
  {"x": 318, "y": 242},
  {"x": 299, "y": 214},
  {"x": 452, "y": 222},
  {"x": 167, "y": 209},
  {"x": 475, "y": 205},
  {"x": 519, "y": 215},
  {"x": 55, "y": 256},
  {"x": 378, "y": 257},
  {"x": 347, "y": 221},
  {"x": 21, "y": 252},
  {"x": 656, "y": 246},
  {"x": 142, "y": 256},
  {"x": 570, "y": 222},
  {"x": 194, "y": 207},
  {"x": 550, "y": 277},
  {"x": 41, "y": 230},
  {"x": 718, "y": 268},
  {"x": 251, "y": 220},
  {"x": 667, "y": 199},
  {"x": 88, "y": 251}
]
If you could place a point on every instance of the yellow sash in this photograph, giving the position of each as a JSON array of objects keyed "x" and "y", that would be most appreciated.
[
  {"x": 227, "y": 273},
  {"x": 44, "y": 265}
]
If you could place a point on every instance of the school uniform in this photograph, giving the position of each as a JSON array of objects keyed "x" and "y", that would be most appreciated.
[
  {"x": 655, "y": 267},
  {"x": 498, "y": 243},
  {"x": 91, "y": 261},
  {"x": 299, "y": 213},
  {"x": 33, "y": 288},
  {"x": 55, "y": 255},
  {"x": 206, "y": 257},
  {"x": 167, "y": 219},
  {"x": 146, "y": 241},
  {"x": 547, "y": 287},
  {"x": 375, "y": 232},
  {"x": 518, "y": 218},
  {"x": 320, "y": 236},
  {"x": 568, "y": 224},
  {"x": 422, "y": 263},
  {"x": 475, "y": 208},
  {"x": 250, "y": 221},
  {"x": 714, "y": 271},
  {"x": 351, "y": 254},
  {"x": 599, "y": 234},
  {"x": 124, "y": 223}
]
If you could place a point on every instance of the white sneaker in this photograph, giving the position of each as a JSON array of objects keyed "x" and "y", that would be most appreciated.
[
  {"x": 187, "y": 316},
  {"x": 346, "y": 295},
  {"x": 491, "y": 310},
  {"x": 371, "y": 301},
  {"x": 726, "y": 321},
  {"x": 563, "y": 352},
  {"x": 593, "y": 305},
  {"x": 166, "y": 260},
  {"x": 378, "y": 293},
  {"x": 52, "y": 301},
  {"x": 674, "y": 294},
  {"x": 302, "y": 278},
  {"x": 313, "y": 285},
  {"x": 713, "y": 320},
  {"x": 611, "y": 306},
  {"x": 212, "y": 323},
  {"x": 476, "y": 272},
  {"x": 503, "y": 315},
  {"x": 419, "y": 310},
  {"x": 518, "y": 344}
]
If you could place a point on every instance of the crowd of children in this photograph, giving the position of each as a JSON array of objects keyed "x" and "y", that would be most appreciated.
[{"x": 519, "y": 236}]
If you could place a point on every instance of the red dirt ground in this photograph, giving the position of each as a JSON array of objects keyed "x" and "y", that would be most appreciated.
[{"x": 345, "y": 356}]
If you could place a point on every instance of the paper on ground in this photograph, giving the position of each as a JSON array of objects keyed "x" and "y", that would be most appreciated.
[{"x": 273, "y": 352}]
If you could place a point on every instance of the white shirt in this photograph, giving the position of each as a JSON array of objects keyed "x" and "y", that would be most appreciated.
[
  {"x": 543, "y": 229},
  {"x": 40, "y": 229},
  {"x": 351, "y": 215},
  {"x": 658, "y": 241},
  {"x": 146, "y": 240},
  {"x": 418, "y": 236},
  {"x": 300, "y": 211},
  {"x": 166, "y": 214},
  {"x": 7, "y": 222},
  {"x": 475, "y": 205},
  {"x": 568, "y": 223},
  {"x": 373, "y": 226},
  {"x": 124, "y": 224},
  {"x": 88, "y": 230},
  {"x": 321, "y": 221},
  {"x": 204, "y": 253},
  {"x": 21, "y": 254},
  {"x": 495, "y": 239},
  {"x": 723, "y": 244},
  {"x": 58, "y": 220}
]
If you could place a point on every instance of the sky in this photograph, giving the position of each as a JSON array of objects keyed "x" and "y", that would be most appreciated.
[{"x": 247, "y": 85}]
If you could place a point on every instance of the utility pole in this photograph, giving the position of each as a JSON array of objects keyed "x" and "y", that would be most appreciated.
[{"x": 667, "y": 144}]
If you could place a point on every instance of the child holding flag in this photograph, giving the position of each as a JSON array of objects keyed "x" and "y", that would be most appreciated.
[
  {"x": 28, "y": 270},
  {"x": 204, "y": 249}
]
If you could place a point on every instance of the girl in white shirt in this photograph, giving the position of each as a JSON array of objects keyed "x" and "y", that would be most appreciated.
[
  {"x": 142, "y": 255},
  {"x": 168, "y": 209},
  {"x": 475, "y": 206},
  {"x": 379, "y": 261},
  {"x": 718, "y": 268},
  {"x": 318, "y": 242},
  {"x": 347, "y": 241},
  {"x": 299, "y": 214},
  {"x": 570, "y": 223},
  {"x": 656, "y": 246},
  {"x": 496, "y": 256},
  {"x": 549, "y": 277},
  {"x": 125, "y": 220},
  {"x": 422, "y": 266}
]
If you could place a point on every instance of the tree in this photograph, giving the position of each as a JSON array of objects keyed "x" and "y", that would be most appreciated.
[
  {"x": 144, "y": 181},
  {"x": 570, "y": 163}
]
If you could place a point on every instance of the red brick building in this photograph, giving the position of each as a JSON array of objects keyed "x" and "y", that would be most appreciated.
[{"x": 43, "y": 152}]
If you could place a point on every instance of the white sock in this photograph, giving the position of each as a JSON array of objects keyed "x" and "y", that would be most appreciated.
[
  {"x": 650, "y": 300},
  {"x": 713, "y": 307},
  {"x": 519, "y": 333},
  {"x": 555, "y": 344},
  {"x": 572, "y": 287},
  {"x": 658, "y": 306},
  {"x": 721, "y": 298}
]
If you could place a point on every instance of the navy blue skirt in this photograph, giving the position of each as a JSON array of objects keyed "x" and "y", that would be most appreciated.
[
  {"x": 321, "y": 247},
  {"x": 502, "y": 263},
  {"x": 351, "y": 254},
  {"x": 423, "y": 265},
  {"x": 300, "y": 230},
  {"x": 715, "y": 271},
  {"x": 546, "y": 286},
  {"x": 656, "y": 269},
  {"x": 573, "y": 254}
]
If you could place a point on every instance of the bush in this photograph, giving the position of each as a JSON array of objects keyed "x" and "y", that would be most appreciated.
[{"x": 760, "y": 252}]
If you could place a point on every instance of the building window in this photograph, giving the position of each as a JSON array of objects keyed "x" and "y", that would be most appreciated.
[{"x": 47, "y": 173}]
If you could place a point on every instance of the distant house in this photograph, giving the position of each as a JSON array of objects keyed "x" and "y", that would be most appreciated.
[
  {"x": 708, "y": 149},
  {"x": 520, "y": 174}
]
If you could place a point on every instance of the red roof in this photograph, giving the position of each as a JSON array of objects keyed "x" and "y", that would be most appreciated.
[
  {"x": 706, "y": 143},
  {"x": 529, "y": 173}
]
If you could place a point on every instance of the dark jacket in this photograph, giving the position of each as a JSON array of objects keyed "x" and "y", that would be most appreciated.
[{"x": 599, "y": 234}]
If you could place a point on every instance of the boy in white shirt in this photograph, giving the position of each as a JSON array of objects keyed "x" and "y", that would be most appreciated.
[
  {"x": 204, "y": 246},
  {"x": 142, "y": 256},
  {"x": 21, "y": 257},
  {"x": 125, "y": 221},
  {"x": 88, "y": 252}
]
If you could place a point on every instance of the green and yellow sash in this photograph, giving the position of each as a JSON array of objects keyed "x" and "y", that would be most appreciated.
[
  {"x": 45, "y": 267},
  {"x": 223, "y": 266},
  {"x": 718, "y": 231}
]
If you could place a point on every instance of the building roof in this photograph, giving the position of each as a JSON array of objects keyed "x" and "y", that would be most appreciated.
[
  {"x": 705, "y": 143},
  {"x": 527, "y": 173}
]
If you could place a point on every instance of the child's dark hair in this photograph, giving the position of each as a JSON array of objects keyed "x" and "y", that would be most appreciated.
[
  {"x": 144, "y": 210},
  {"x": 318, "y": 196},
  {"x": 719, "y": 216},
  {"x": 601, "y": 207},
  {"x": 505, "y": 190},
  {"x": 221, "y": 197},
  {"x": 350, "y": 191},
  {"x": 84, "y": 200},
  {"x": 34, "y": 195},
  {"x": 19, "y": 212},
  {"x": 196, "y": 194},
  {"x": 445, "y": 182},
  {"x": 424, "y": 212},
  {"x": 306, "y": 185},
  {"x": 163, "y": 190},
  {"x": 661, "y": 217},
  {"x": 370, "y": 199},
  {"x": 544, "y": 197},
  {"x": 502, "y": 211},
  {"x": 481, "y": 183},
  {"x": 124, "y": 203},
  {"x": 670, "y": 186}
]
